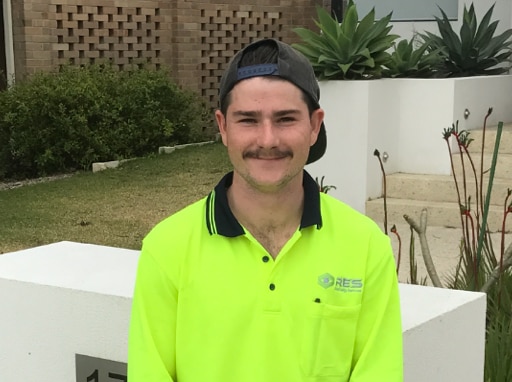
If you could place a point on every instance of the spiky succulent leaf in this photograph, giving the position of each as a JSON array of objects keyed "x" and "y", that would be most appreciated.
[
  {"x": 365, "y": 24},
  {"x": 408, "y": 61},
  {"x": 349, "y": 24},
  {"x": 347, "y": 50},
  {"x": 475, "y": 51}
]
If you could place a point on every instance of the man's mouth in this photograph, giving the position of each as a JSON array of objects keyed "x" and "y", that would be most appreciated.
[{"x": 267, "y": 156}]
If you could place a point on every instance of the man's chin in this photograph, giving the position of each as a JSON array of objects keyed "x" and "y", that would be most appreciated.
[{"x": 267, "y": 184}]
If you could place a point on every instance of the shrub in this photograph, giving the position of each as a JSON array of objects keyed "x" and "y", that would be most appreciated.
[
  {"x": 58, "y": 122},
  {"x": 476, "y": 51},
  {"x": 409, "y": 61},
  {"x": 350, "y": 49}
]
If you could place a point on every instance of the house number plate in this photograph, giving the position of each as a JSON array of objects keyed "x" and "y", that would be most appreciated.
[{"x": 92, "y": 369}]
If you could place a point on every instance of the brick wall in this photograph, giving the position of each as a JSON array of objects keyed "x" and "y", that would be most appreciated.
[
  {"x": 207, "y": 34},
  {"x": 194, "y": 38},
  {"x": 18, "y": 36}
]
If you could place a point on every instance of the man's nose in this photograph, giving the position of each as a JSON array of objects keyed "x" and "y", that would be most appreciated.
[{"x": 268, "y": 135}]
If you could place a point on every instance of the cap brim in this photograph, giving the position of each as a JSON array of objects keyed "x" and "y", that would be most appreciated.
[{"x": 318, "y": 149}]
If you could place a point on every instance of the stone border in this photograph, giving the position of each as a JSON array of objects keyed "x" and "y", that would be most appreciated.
[
  {"x": 101, "y": 166},
  {"x": 26, "y": 182}
]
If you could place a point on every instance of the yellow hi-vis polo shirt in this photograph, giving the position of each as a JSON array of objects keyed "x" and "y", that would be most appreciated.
[{"x": 211, "y": 305}]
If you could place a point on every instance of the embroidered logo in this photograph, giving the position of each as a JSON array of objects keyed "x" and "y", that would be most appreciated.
[
  {"x": 326, "y": 280},
  {"x": 340, "y": 284}
]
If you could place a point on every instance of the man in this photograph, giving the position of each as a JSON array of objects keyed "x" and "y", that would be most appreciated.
[{"x": 267, "y": 279}]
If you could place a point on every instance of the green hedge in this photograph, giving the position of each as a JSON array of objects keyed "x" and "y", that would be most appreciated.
[{"x": 60, "y": 122}]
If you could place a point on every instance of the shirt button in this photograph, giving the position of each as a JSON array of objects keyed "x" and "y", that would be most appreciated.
[
  {"x": 265, "y": 259},
  {"x": 272, "y": 286}
]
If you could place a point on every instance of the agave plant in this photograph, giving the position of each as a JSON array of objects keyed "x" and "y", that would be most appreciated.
[
  {"x": 409, "y": 61},
  {"x": 350, "y": 49},
  {"x": 476, "y": 51}
]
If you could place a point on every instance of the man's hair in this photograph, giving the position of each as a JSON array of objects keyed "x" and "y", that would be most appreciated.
[{"x": 264, "y": 53}]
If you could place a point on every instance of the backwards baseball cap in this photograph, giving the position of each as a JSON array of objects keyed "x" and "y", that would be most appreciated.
[{"x": 292, "y": 66}]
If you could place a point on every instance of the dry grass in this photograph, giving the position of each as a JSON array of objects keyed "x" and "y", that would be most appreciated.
[{"x": 115, "y": 207}]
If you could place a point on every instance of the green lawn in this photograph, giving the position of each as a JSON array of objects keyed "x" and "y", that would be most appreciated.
[{"x": 114, "y": 207}]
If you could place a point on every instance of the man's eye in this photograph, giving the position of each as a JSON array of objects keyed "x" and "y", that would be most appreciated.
[
  {"x": 286, "y": 119},
  {"x": 247, "y": 121}
]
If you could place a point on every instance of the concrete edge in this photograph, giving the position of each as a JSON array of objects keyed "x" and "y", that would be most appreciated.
[{"x": 101, "y": 166}]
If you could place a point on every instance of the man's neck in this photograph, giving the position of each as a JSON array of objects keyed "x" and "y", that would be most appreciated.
[{"x": 271, "y": 217}]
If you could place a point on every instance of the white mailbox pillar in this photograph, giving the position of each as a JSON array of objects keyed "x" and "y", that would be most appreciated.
[{"x": 65, "y": 311}]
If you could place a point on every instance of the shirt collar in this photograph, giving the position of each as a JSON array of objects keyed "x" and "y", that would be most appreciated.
[{"x": 221, "y": 221}]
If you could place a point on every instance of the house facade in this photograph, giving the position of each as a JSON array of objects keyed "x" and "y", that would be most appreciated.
[{"x": 193, "y": 38}]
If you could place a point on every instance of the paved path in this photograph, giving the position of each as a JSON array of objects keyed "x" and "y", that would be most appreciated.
[{"x": 444, "y": 247}]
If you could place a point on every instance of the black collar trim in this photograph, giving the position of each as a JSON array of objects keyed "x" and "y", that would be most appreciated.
[{"x": 221, "y": 221}]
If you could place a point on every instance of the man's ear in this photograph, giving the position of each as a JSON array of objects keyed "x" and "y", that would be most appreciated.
[
  {"x": 221, "y": 123},
  {"x": 317, "y": 117}
]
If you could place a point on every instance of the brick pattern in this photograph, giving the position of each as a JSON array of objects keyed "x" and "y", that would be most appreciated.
[
  {"x": 207, "y": 34},
  {"x": 122, "y": 35},
  {"x": 194, "y": 38},
  {"x": 223, "y": 33}
]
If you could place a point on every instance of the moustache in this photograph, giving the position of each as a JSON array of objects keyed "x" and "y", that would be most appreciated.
[{"x": 267, "y": 154}]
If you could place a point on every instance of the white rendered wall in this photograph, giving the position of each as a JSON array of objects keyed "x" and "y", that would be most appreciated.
[
  {"x": 404, "y": 118},
  {"x": 361, "y": 116},
  {"x": 477, "y": 94},
  {"x": 62, "y": 299},
  {"x": 345, "y": 161},
  {"x": 444, "y": 336},
  {"x": 426, "y": 108},
  {"x": 67, "y": 298},
  {"x": 383, "y": 132}
]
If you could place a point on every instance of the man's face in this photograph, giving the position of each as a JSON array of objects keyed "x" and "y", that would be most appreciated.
[{"x": 268, "y": 131}]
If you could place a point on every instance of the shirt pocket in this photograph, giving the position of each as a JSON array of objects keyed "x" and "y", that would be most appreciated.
[{"x": 328, "y": 340}]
